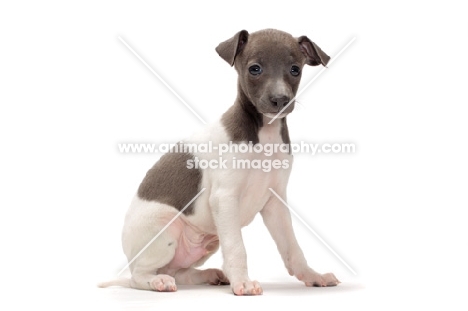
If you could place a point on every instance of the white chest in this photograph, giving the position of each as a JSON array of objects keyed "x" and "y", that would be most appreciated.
[
  {"x": 269, "y": 168},
  {"x": 247, "y": 174}
]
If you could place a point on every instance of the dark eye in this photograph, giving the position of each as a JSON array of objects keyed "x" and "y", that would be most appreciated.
[
  {"x": 295, "y": 71},
  {"x": 255, "y": 70}
]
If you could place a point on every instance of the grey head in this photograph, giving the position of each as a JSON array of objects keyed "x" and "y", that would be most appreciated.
[{"x": 269, "y": 64}]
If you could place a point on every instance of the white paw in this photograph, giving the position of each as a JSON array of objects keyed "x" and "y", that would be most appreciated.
[
  {"x": 317, "y": 279},
  {"x": 163, "y": 283},
  {"x": 246, "y": 288}
]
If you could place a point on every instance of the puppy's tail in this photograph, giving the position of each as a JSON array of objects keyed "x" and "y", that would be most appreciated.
[{"x": 119, "y": 282}]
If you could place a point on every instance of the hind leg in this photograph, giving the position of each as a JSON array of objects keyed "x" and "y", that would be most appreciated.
[
  {"x": 159, "y": 282},
  {"x": 144, "y": 222},
  {"x": 192, "y": 276},
  {"x": 145, "y": 268}
]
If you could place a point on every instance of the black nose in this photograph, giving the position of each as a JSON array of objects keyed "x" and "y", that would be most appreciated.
[{"x": 279, "y": 100}]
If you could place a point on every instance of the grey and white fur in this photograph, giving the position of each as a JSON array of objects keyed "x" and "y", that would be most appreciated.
[{"x": 269, "y": 64}]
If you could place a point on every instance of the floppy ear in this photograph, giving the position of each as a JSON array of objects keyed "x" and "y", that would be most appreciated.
[
  {"x": 315, "y": 55},
  {"x": 229, "y": 49}
]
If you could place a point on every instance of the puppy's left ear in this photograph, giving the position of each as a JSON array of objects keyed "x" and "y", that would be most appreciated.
[
  {"x": 229, "y": 49},
  {"x": 315, "y": 55}
]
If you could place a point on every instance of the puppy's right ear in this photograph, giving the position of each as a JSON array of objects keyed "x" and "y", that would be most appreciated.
[{"x": 229, "y": 49}]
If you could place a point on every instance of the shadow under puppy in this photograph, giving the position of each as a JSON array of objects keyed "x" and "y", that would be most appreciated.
[{"x": 269, "y": 64}]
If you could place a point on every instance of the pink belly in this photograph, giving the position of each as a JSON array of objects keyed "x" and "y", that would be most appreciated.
[
  {"x": 185, "y": 258},
  {"x": 192, "y": 245}
]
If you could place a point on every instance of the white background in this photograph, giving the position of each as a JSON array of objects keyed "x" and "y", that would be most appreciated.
[{"x": 70, "y": 91}]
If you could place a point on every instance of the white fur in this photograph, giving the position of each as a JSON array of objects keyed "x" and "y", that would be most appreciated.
[
  {"x": 252, "y": 195},
  {"x": 231, "y": 199}
]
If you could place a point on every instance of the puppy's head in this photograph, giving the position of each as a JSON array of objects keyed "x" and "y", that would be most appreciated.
[{"x": 269, "y": 63}]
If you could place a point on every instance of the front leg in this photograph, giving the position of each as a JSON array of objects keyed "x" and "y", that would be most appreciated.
[
  {"x": 226, "y": 216},
  {"x": 277, "y": 219}
]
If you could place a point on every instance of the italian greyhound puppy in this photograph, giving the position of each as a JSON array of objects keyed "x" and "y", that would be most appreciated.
[{"x": 269, "y": 64}]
